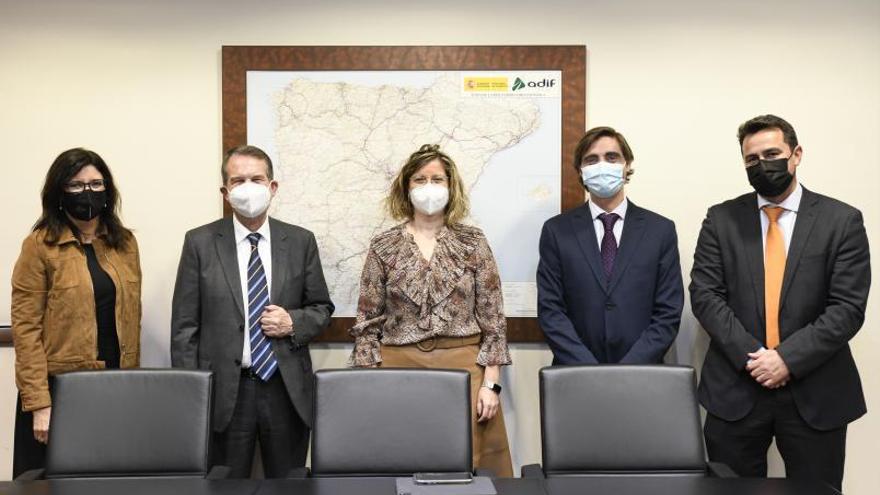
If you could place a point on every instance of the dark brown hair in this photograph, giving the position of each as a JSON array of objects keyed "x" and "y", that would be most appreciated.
[
  {"x": 595, "y": 134},
  {"x": 54, "y": 220},
  {"x": 761, "y": 122},
  {"x": 247, "y": 150}
]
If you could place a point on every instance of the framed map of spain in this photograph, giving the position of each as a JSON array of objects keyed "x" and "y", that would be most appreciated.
[{"x": 339, "y": 122}]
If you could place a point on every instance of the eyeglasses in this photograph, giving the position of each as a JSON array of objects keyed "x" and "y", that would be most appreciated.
[
  {"x": 422, "y": 180},
  {"x": 77, "y": 187}
]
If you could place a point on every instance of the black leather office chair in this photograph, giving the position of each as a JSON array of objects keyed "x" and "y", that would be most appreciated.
[
  {"x": 130, "y": 423},
  {"x": 611, "y": 420},
  {"x": 391, "y": 422}
]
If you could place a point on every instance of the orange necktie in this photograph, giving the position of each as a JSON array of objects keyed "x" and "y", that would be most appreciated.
[{"x": 774, "y": 268}]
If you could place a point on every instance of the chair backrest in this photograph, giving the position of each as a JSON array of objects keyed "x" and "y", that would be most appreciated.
[
  {"x": 391, "y": 422},
  {"x": 130, "y": 423},
  {"x": 630, "y": 420}
]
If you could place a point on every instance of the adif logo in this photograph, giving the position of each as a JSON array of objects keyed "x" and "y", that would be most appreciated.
[{"x": 543, "y": 83}]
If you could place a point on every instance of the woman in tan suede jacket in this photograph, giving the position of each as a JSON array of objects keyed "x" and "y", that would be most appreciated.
[{"x": 76, "y": 294}]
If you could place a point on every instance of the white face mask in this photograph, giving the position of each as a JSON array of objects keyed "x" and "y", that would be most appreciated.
[
  {"x": 603, "y": 179},
  {"x": 249, "y": 200},
  {"x": 430, "y": 198}
]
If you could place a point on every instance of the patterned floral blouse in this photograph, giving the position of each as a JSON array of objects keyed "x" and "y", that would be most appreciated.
[{"x": 405, "y": 299}]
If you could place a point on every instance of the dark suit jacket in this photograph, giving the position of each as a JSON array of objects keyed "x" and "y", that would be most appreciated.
[
  {"x": 632, "y": 319},
  {"x": 207, "y": 320},
  {"x": 824, "y": 293}
]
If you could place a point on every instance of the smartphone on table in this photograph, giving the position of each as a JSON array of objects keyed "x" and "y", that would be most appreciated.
[{"x": 442, "y": 478}]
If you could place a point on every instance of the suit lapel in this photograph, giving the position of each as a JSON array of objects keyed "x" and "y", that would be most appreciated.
[
  {"x": 280, "y": 246},
  {"x": 630, "y": 238},
  {"x": 803, "y": 225},
  {"x": 226, "y": 251},
  {"x": 585, "y": 232},
  {"x": 749, "y": 228}
]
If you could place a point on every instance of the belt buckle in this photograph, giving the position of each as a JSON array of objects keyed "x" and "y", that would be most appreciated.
[{"x": 427, "y": 345}]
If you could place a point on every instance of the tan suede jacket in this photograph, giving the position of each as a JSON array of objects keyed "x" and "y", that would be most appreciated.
[{"x": 54, "y": 327}]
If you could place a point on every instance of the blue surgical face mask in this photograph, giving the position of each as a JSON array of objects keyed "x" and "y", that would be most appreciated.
[{"x": 603, "y": 179}]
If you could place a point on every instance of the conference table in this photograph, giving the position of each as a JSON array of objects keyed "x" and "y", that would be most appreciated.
[{"x": 386, "y": 486}]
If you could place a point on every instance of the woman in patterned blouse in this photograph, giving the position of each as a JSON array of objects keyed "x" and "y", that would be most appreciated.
[{"x": 430, "y": 296}]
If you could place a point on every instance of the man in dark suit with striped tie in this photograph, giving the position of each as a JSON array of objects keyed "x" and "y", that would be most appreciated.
[{"x": 250, "y": 296}]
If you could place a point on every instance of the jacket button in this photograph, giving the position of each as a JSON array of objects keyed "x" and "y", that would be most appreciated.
[
  {"x": 609, "y": 305},
  {"x": 241, "y": 328},
  {"x": 238, "y": 362}
]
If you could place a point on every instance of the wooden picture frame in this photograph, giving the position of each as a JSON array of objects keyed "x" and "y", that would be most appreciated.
[{"x": 570, "y": 60}]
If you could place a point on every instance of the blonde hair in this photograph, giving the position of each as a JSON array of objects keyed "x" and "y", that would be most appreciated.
[{"x": 398, "y": 203}]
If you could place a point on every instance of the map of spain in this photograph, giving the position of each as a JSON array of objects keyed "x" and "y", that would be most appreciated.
[{"x": 338, "y": 146}]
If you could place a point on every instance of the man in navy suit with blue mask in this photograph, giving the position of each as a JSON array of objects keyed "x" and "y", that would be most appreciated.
[{"x": 609, "y": 278}]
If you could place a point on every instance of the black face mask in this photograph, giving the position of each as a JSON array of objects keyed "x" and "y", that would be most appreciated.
[
  {"x": 85, "y": 205},
  {"x": 770, "y": 178}
]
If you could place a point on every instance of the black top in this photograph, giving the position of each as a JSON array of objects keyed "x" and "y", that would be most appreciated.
[{"x": 105, "y": 310}]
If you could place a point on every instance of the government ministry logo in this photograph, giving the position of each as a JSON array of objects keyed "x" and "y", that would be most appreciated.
[{"x": 521, "y": 84}]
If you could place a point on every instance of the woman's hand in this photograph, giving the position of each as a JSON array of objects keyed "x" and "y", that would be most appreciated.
[
  {"x": 41, "y": 424},
  {"x": 487, "y": 404},
  {"x": 488, "y": 401}
]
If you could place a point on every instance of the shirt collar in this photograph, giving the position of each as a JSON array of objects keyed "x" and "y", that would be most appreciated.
[
  {"x": 791, "y": 203},
  {"x": 595, "y": 211},
  {"x": 241, "y": 232}
]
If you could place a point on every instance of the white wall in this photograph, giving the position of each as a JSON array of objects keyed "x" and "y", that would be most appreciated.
[{"x": 139, "y": 82}]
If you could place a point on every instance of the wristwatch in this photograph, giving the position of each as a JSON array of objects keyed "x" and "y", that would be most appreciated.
[{"x": 492, "y": 386}]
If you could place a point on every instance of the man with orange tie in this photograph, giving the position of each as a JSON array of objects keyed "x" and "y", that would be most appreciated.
[{"x": 780, "y": 283}]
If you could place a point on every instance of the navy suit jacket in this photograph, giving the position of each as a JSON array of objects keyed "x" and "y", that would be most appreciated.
[{"x": 634, "y": 317}]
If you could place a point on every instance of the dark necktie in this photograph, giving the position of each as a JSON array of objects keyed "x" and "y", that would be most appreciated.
[
  {"x": 609, "y": 243},
  {"x": 263, "y": 361}
]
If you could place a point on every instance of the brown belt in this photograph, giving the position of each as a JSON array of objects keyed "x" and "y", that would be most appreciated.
[{"x": 432, "y": 343}]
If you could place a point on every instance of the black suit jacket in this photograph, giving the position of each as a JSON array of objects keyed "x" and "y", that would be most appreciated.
[
  {"x": 631, "y": 320},
  {"x": 207, "y": 320},
  {"x": 824, "y": 294}
]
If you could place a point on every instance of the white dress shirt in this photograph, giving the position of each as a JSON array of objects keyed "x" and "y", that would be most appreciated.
[
  {"x": 595, "y": 211},
  {"x": 243, "y": 248},
  {"x": 786, "y": 220}
]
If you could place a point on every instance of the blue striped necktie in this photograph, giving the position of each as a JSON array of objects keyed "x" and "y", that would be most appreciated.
[{"x": 263, "y": 361}]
